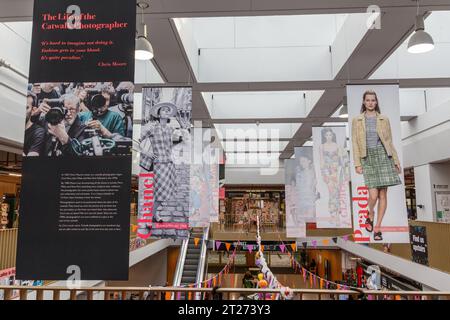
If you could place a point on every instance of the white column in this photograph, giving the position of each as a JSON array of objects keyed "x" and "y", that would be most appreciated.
[{"x": 424, "y": 193}]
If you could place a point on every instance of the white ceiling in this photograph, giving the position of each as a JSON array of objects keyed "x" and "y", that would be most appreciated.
[{"x": 266, "y": 48}]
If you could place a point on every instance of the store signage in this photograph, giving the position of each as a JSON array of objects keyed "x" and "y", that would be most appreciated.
[
  {"x": 419, "y": 245},
  {"x": 76, "y": 181}
]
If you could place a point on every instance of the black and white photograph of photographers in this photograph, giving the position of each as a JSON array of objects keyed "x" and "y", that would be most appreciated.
[
  {"x": 79, "y": 119},
  {"x": 165, "y": 146}
]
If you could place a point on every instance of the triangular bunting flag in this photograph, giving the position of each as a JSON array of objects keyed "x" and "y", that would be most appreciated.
[
  {"x": 314, "y": 243},
  {"x": 321, "y": 283},
  {"x": 218, "y": 243},
  {"x": 134, "y": 227},
  {"x": 250, "y": 248},
  {"x": 196, "y": 240},
  {"x": 315, "y": 284},
  {"x": 262, "y": 248},
  {"x": 227, "y": 245},
  {"x": 294, "y": 246},
  {"x": 334, "y": 239},
  {"x": 305, "y": 244},
  {"x": 214, "y": 282},
  {"x": 282, "y": 247},
  {"x": 345, "y": 237},
  {"x": 310, "y": 281},
  {"x": 325, "y": 242}
]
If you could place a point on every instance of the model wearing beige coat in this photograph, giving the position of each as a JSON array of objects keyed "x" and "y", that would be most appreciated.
[{"x": 359, "y": 138}]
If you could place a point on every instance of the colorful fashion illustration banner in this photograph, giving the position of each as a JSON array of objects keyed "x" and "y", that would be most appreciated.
[
  {"x": 295, "y": 223},
  {"x": 377, "y": 164},
  {"x": 165, "y": 159},
  {"x": 201, "y": 186},
  {"x": 76, "y": 176},
  {"x": 306, "y": 184},
  {"x": 331, "y": 164},
  {"x": 214, "y": 184}
]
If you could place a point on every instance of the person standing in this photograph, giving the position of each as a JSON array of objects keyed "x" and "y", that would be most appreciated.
[
  {"x": 375, "y": 157},
  {"x": 331, "y": 161},
  {"x": 162, "y": 138}
]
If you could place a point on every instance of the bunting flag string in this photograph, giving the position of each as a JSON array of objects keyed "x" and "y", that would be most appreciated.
[{"x": 312, "y": 276}]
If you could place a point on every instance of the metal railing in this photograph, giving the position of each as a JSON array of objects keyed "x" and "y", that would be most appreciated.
[
  {"x": 8, "y": 246},
  {"x": 180, "y": 263},
  {"x": 158, "y": 293},
  {"x": 202, "y": 260}
]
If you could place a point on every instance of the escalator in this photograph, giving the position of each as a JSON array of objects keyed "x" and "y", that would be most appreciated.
[{"x": 192, "y": 259}]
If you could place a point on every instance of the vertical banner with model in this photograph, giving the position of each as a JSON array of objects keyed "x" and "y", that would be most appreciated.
[
  {"x": 378, "y": 193},
  {"x": 75, "y": 199},
  {"x": 214, "y": 179},
  {"x": 295, "y": 223},
  {"x": 332, "y": 171},
  {"x": 306, "y": 184},
  {"x": 201, "y": 186},
  {"x": 165, "y": 159}
]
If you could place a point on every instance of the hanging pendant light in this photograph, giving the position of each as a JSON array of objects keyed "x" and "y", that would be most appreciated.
[
  {"x": 144, "y": 49},
  {"x": 420, "y": 41}
]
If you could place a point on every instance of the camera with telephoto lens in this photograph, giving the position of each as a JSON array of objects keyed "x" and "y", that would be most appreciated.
[
  {"x": 125, "y": 97},
  {"x": 57, "y": 111}
]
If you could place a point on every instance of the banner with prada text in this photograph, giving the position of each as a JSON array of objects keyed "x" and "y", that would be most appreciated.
[{"x": 376, "y": 164}]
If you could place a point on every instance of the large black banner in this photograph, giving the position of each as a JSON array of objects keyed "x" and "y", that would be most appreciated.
[{"x": 76, "y": 181}]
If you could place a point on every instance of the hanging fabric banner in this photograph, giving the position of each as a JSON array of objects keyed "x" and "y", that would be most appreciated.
[
  {"x": 295, "y": 223},
  {"x": 331, "y": 164},
  {"x": 306, "y": 184},
  {"x": 201, "y": 202},
  {"x": 76, "y": 176},
  {"x": 376, "y": 164},
  {"x": 165, "y": 157},
  {"x": 214, "y": 182}
]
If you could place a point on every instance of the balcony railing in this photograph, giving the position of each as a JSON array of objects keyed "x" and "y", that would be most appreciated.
[{"x": 159, "y": 293}]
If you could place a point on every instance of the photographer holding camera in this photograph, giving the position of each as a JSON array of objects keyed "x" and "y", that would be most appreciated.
[
  {"x": 65, "y": 132},
  {"x": 100, "y": 118},
  {"x": 34, "y": 134}
]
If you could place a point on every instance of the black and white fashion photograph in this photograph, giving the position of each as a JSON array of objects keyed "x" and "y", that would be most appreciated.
[
  {"x": 165, "y": 146},
  {"x": 79, "y": 119}
]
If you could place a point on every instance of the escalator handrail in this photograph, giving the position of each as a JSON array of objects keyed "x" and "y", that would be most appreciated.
[
  {"x": 202, "y": 260},
  {"x": 180, "y": 264}
]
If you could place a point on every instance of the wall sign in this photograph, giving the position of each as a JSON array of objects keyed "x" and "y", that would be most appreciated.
[{"x": 419, "y": 245}]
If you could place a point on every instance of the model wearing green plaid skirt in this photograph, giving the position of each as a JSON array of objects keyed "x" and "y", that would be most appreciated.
[{"x": 379, "y": 169}]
